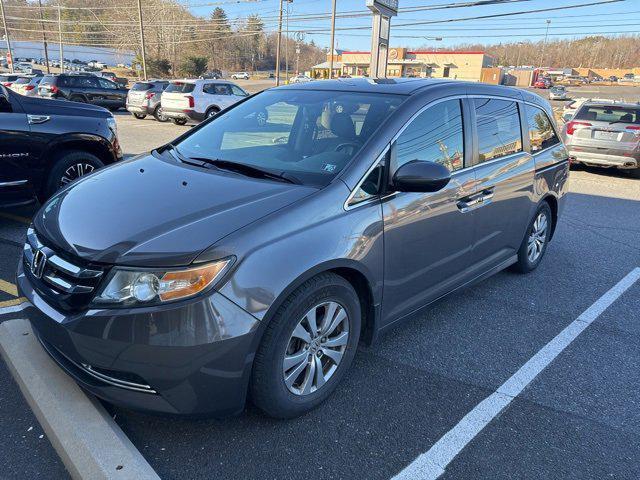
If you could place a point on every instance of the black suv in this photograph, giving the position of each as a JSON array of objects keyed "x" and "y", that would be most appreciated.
[
  {"x": 86, "y": 88},
  {"x": 45, "y": 144}
]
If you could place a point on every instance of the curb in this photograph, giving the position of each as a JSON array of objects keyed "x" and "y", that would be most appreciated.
[{"x": 87, "y": 439}]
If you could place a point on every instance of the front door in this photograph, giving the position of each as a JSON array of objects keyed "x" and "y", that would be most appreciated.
[
  {"x": 428, "y": 237},
  {"x": 504, "y": 173}
]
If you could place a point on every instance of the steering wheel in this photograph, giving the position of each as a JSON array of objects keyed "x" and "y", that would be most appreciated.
[{"x": 354, "y": 145}]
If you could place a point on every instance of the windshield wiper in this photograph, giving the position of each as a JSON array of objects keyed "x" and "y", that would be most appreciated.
[{"x": 248, "y": 170}]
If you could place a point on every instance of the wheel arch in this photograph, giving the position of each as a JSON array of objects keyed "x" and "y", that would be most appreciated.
[{"x": 354, "y": 273}]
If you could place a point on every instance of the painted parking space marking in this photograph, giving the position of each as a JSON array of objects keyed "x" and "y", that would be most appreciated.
[
  {"x": 432, "y": 464},
  {"x": 9, "y": 288},
  {"x": 12, "y": 306}
]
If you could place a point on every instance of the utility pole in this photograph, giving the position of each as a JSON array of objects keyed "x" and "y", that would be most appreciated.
[
  {"x": 286, "y": 46},
  {"x": 278, "y": 45},
  {"x": 60, "y": 38},
  {"x": 44, "y": 37},
  {"x": 544, "y": 45},
  {"x": 144, "y": 55},
  {"x": 333, "y": 38},
  {"x": 6, "y": 36}
]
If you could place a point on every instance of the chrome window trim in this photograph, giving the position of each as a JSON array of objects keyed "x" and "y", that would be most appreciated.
[{"x": 464, "y": 169}]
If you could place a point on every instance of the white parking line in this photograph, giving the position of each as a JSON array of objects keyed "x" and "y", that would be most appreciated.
[{"x": 432, "y": 464}]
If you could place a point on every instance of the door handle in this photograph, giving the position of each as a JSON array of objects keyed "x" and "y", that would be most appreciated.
[
  {"x": 466, "y": 204},
  {"x": 487, "y": 194},
  {"x": 35, "y": 119}
]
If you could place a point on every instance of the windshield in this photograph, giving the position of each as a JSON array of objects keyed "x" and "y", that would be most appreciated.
[
  {"x": 180, "y": 87},
  {"x": 310, "y": 135}
]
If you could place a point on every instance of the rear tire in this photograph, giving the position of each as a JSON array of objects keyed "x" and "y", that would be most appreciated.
[
  {"x": 68, "y": 167},
  {"x": 140, "y": 116},
  {"x": 534, "y": 244},
  {"x": 635, "y": 173},
  {"x": 284, "y": 380},
  {"x": 78, "y": 98},
  {"x": 179, "y": 121},
  {"x": 159, "y": 116}
]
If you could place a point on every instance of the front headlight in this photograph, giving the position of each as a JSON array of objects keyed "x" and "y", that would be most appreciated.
[
  {"x": 111, "y": 122},
  {"x": 131, "y": 288}
]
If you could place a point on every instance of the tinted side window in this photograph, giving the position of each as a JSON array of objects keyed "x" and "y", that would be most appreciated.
[
  {"x": 541, "y": 134},
  {"x": 435, "y": 136},
  {"x": 216, "y": 89},
  {"x": 104, "y": 83},
  {"x": 498, "y": 128}
]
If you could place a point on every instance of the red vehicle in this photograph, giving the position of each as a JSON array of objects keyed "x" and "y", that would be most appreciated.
[{"x": 542, "y": 83}]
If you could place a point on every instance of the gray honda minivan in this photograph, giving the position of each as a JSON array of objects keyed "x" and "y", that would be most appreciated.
[{"x": 251, "y": 257}]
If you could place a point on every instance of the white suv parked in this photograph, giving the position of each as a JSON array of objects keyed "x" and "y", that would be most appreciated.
[
  {"x": 240, "y": 75},
  {"x": 185, "y": 100}
]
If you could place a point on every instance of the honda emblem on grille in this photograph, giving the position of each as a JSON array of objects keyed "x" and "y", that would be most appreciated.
[{"x": 38, "y": 263}]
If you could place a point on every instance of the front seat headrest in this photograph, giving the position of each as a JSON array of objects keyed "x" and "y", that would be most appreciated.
[{"x": 342, "y": 126}]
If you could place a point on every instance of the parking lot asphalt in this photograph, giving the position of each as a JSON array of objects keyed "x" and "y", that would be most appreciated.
[{"x": 579, "y": 419}]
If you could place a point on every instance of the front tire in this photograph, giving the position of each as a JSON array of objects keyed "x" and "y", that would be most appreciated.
[
  {"x": 534, "y": 244},
  {"x": 179, "y": 121},
  {"x": 307, "y": 347},
  {"x": 212, "y": 112},
  {"x": 140, "y": 116}
]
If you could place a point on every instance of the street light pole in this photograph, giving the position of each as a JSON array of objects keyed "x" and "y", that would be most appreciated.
[
  {"x": 44, "y": 37},
  {"x": 333, "y": 36},
  {"x": 144, "y": 55},
  {"x": 6, "y": 36},
  {"x": 544, "y": 45}
]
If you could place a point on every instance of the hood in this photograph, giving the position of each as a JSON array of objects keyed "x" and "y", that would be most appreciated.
[
  {"x": 150, "y": 211},
  {"x": 42, "y": 106}
]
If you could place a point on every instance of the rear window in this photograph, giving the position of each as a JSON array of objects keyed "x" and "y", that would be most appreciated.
[
  {"x": 180, "y": 88},
  {"x": 22, "y": 81},
  {"x": 141, "y": 87},
  {"x": 7, "y": 78},
  {"x": 609, "y": 113}
]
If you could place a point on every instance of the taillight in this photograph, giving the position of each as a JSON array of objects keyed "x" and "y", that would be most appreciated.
[
  {"x": 149, "y": 95},
  {"x": 633, "y": 127},
  {"x": 7, "y": 84},
  {"x": 29, "y": 87},
  {"x": 571, "y": 126},
  {"x": 191, "y": 101}
]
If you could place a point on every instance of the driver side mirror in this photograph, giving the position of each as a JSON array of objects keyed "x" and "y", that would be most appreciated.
[{"x": 421, "y": 176}]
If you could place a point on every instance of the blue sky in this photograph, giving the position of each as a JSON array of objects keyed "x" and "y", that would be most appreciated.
[{"x": 567, "y": 23}]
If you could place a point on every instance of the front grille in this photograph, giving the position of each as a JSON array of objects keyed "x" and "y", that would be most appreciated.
[{"x": 65, "y": 283}]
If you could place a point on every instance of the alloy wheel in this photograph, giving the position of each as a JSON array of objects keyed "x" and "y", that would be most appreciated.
[
  {"x": 315, "y": 348},
  {"x": 160, "y": 114},
  {"x": 75, "y": 171},
  {"x": 537, "y": 237}
]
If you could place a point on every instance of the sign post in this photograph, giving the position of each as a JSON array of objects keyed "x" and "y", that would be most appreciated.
[{"x": 382, "y": 10}]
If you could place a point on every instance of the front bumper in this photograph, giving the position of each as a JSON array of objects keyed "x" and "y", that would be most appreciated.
[
  {"x": 183, "y": 114},
  {"x": 189, "y": 358}
]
